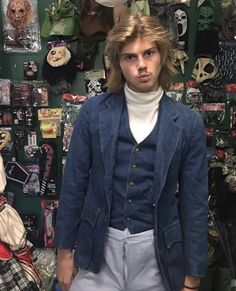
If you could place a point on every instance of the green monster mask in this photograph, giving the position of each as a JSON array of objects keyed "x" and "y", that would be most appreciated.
[{"x": 206, "y": 19}]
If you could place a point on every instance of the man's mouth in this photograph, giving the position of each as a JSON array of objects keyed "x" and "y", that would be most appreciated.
[{"x": 144, "y": 77}]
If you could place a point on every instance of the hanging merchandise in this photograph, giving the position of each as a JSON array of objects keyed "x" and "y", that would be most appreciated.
[
  {"x": 180, "y": 12},
  {"x": 21, "y": 26},
  {"x": 16, "y": 253},
  {"x": 139, "y": 6},
  {"x": 120, "y": 11},
  {"x": 228, "y": 26},
  {"x": 49, "y": 209},
  {"x": 16, "y": 172},
  {"x": 226, "y": 62},
  {"x": 30, "y": 70},
  {"x": 111, "y": 3},
  {"x": 204, "y": 70},
  {"x": 59, "y": 67},
  {"x": 166, "y": 17},
  {"x": 226, "y": 3},
  {"x": 180, "y": 57},
  {"x": 95, "y": 82},
  {"x": 95, "y": 20},
  {"x": 61, "y": 19},
  {"x": 176, "y": 91},
  {"x": 48, "y": 170},
  {"x": 5, "y": 86},
  {"x": 87, "y": 49},
  {"x": 207, "y": 40},
  {"x": 5, "y": 140}
]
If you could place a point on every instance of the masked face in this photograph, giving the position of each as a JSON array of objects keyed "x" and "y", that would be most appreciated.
[
  {"x": 58, "y": 56},
  {"x": 182, "y": 21},
  {"x": 19, "y": 13},
  {"x": 205, "y": 18}
]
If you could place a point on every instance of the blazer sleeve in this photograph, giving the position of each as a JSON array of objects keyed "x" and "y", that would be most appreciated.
[
  {"x": 74, "y": 182},
  {"x": 193, "y": 203}
]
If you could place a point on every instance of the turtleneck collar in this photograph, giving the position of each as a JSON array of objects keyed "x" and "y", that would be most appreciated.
[{"x": 144, "y": 99}]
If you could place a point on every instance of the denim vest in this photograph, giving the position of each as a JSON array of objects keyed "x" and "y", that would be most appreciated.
[{"x": 132, "y": 202}]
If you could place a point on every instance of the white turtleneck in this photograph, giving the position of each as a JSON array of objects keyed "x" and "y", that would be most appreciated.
[{"x": 142, "y": 111}]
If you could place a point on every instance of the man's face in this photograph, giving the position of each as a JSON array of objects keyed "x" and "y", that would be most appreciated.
[
  {"x": 140, "y": 64},
  {"x": 19, "y": 13}
]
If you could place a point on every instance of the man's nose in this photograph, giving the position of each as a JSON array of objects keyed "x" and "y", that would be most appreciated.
[{"x": 141, "y": 62}]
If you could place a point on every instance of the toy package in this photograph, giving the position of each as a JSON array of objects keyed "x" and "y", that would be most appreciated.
[
  {"x": 21, "y": 26},
  {"x": 5, "y": 92}
]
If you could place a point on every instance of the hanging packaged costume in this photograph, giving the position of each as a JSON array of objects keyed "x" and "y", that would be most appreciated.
[
  {"x": 17, "y": 271},
  {"x": 20, "y": 26}
]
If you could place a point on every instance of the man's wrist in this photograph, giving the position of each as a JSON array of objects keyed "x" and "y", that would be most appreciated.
[
  {"x": 191, "y": 282},
  {"x": 191, "y": 288}
]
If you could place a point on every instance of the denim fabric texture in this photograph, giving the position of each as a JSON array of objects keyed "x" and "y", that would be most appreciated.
[
  {"x": 180, "y": 224},
  {"x": 132, "y": 198}
]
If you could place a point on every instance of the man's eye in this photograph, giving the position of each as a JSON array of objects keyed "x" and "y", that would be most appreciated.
[
  {"x": 130, "y": 58},
  {"x": 150, "y": 53}
]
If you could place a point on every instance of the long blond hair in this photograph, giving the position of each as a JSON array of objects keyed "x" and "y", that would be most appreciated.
[{"x": 128, "y": 29}]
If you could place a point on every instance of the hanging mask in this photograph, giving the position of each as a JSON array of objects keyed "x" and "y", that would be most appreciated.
[
  {"x": 58, "y": 56},
  {"x": 59, "y": 67},
  {"x": 182, "y": 21},
  {"x": 228, "y": 28},
  {"x": 204, "y": 70},
  {"x": 226, "y": 3},
  {"x": 19, "y": 13},
  {"x": 180, "y": 17},
  {"x": 206, "y": 19}
]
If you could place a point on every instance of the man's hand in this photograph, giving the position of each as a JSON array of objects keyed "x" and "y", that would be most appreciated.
[{"x": 65, "y": 268}]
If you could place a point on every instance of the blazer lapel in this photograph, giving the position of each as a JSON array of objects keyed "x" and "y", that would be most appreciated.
[
  {"x": 167, "y": 139},
  {"x": 109, "y": 121}
]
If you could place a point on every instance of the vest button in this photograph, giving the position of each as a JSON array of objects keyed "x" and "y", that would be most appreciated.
[
  {"x": 130, "y": 201},
  {"x": 131, "y": 183},
  {"x": 128, "y": 218},
  {"x": 134, "y": 166}
]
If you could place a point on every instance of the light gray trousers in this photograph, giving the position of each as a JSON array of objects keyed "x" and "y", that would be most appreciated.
[{"x": 129, "y": 265}]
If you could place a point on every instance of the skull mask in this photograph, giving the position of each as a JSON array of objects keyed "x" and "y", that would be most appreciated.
[
  {"x": 182, "y": 21},
  {"x": 205, "y": 18},
  {"x": 204, "y": 70},
  {"x": 19, "y": 13}
]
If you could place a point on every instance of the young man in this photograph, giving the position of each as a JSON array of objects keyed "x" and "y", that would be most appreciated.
[{"x": 131, "y": 150}]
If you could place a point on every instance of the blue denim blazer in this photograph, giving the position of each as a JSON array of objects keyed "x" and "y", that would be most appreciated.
[{"x": 180, "y": 223}]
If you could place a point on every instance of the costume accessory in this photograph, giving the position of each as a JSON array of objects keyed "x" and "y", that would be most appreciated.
[
  {"x": 61, "y": 19},
  {"x": 204, "y": 70}
]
